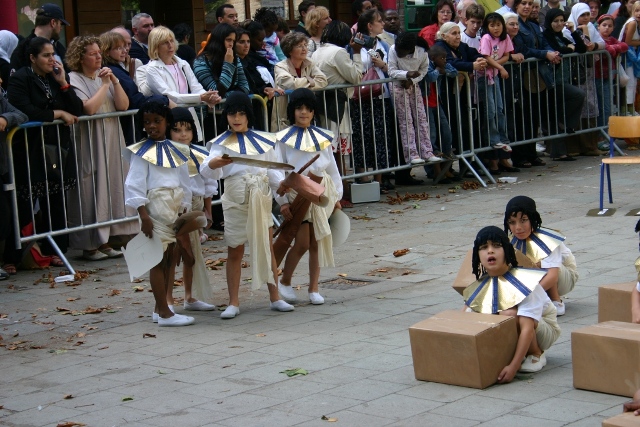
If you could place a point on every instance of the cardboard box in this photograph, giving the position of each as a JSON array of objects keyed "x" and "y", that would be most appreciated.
[
  {"x": 363, "y": 193},
  {"x": 459, "y": 348},
  {"x": 614, "y": 302},
  {"x": 466, "y": 277},
  {"x": 606, "y": 358},
  {"x": 623, "y": 420}
]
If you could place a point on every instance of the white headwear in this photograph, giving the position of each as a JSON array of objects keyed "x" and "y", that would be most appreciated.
[
  {"x": 577, "y": 10},
  {"x": 8, "y": 43}
]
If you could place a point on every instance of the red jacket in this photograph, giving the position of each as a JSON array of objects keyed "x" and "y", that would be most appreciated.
[
  {"x": 615, "y": 48},
  {"x": 429, "y": 33}
]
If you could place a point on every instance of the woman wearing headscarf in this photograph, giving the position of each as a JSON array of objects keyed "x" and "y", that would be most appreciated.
[
  {"x": 569, "y": 99},
  {"x": 580, "y": 19},
  {"x": 8, "y": 43}
]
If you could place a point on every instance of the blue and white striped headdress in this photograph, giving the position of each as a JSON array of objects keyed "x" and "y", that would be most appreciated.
[
  {"x": 251, "y": 142},
  {"x": 310, "y": 139},
  {"x": 166, "y": 154}
]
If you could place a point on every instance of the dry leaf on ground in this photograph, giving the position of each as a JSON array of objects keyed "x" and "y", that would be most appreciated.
[
  {"x": 331, "y": 420},
  {"x": 70, "y": 424},
  {"x": 400, "y": 252},
  {"x": 147, "y": 335}
]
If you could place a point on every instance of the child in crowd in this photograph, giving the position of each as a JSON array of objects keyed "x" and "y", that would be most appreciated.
[
  {"x": 439, "y": 128},
  {"x": 544, "y": 247},
  {"x": 495, "y": 46},
  {"x": 202, "y": 189},
  {"x": 299, "y": 144},
  {"x": 630, "y": 34},
  {"x": 157, "y": 185},
  {"x": 410, "y": 62},
  {"x": 470, "y": 36},
  {"x": 615, "y": 48},
  {"x": 246, "y": 200},
  {"x": 503, "y": 288},
  {"x": 635, "y": 294}
]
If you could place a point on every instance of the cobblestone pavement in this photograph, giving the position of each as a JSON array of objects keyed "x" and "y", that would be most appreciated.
[{"x": 58, "y": 364}]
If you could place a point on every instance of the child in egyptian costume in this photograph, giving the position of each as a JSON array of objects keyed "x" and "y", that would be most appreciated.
[
  {"x": 543, "y": 246},
  {"x": 158, "y": 186},
  {"x": 246, "y": 200},
  {"x": 299, "y": 144},
  {"x": 503, "y": 288},
  {"x": 197, "y": 288}
]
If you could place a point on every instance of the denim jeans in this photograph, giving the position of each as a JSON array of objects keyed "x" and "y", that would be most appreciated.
[
  {"x": 493, "y": 126},
  {"x": 603, "y": 92},
  {"x": 440, "y": 130}
]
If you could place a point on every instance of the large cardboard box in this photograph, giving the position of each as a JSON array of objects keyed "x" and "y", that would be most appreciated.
[
  {"x": 466, "y": 277},
  {"x": 623, "y": 420},
  {"x": 614, "y": 302},
  {"x": 606, "y": 358},
  {"x": 459, "y": 348}
]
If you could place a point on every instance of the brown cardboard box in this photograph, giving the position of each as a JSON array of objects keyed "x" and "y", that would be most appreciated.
[
  {"x": 606, "y": 358},
  {"x": 466, "y": 277},
  {"x": 623, "y": 420},
  {"x": 614, "y": 302},
  {"x": 459, "y": 348}
]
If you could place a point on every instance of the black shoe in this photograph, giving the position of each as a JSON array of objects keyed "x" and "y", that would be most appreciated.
[
  {"x": 387, "y": 185},
  {"x": 445, "y": 181},
  {"x": 495, "y": 172},
  {"x": 508, "y": 169},
  {"x": 409, "y": 181}
]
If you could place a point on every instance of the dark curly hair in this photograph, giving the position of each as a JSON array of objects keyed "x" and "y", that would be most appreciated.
[
  {"x": 267, "y": 18},
  {"x": 297, "y": 99},
  {"x": 337, "y": 33},
  {"x": 237, "y": 102},
  {"x": 155, "y": 107},
  {"x": 496, "y": 236},
  {"x": 183, "y": 115},
  {"x": 525, "y": 205}
]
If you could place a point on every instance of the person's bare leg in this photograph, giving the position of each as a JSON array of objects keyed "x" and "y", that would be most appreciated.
[
  {"x": 234, "y": 271},
  {"x": 187, "y": 280},
  {"x": 273, "y": 287},
  {"x": 314, "y": 262},
  {"x": 552, "y": 291},
  {"x": 159, "y": 287},
  {"x": 300, "y": 246},
  {"x": 534, "y": 348},
  {"x": 170, "y": 280}
]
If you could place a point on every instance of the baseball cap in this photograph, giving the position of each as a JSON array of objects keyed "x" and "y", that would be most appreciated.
[{"x": 53, "y": 11}]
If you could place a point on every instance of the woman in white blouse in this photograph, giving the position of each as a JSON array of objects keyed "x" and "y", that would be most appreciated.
[{"x": 168, "y": 75}]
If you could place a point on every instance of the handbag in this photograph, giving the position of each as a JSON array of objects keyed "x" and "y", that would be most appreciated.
[
  {"x": 55, "y": 159},
  {"x": 623, "y": 76},
  {"x": 365, "y": 93},
  {"x": 335, "y": 108}
]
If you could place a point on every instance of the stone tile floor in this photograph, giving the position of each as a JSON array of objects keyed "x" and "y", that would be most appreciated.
[{"x": 355, "y": 346}]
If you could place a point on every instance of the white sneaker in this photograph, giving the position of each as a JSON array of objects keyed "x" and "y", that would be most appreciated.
[
  {"x": 502, "y": 146},
  {"x": 559, "y": 307},
  {"x": 231, "y": 312},
  {"x": 281, "y": 305},
  {"x": 156, "y": 316},
  {"x": 316, "y": 298},
  {"x": 434, "y": 159},
  {"x": 540, "y": 148},
  {"x": 287, "y": 293},
  {"x": 203, "y": 238},
  {"x": 198, "y": 306},
  {"x": 417, "y": 161},
  {"x": 175, "y": 320},
  {"x": 533, "y": 364}
]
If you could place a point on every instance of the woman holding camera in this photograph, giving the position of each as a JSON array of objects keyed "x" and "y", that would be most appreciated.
[{"x": 372, "y": 116}]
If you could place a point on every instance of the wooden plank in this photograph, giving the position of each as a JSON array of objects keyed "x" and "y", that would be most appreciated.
[{"x": 622, "y": 160}]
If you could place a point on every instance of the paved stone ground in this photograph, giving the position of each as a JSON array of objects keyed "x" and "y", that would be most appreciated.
[{"x": 355, "y": 347}]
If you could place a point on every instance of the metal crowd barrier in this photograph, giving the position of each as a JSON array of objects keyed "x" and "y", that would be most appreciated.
[{"x": 462, "y": 105}]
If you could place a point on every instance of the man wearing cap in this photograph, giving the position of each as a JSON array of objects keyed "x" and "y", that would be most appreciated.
[
  {"x": 141, "y": 25},
  {"x": 48, "y": 24}
]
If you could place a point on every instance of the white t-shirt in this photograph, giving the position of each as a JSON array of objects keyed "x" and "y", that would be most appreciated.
[
  {"x": 555, "y": 258},
  {"x": 638, "y": 286},
  {"x": 471, "y": 42},
  {"x": 534, "y": 304}
]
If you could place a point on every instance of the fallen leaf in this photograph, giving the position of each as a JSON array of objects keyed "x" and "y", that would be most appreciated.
[
  {"x": 62, "y": 309},
  {"x": 381, "y": 297},
  {"x": 72, "y": 299},
  {"x": 295, "y": 371},
  {"x": 406, "y": 273},
  {"x": 138, "y": 289},
  {"x": 68, "y": 396},
  {"x": 127, "y": 398},
  {"x": 113, "y": 292},
  {"x": 395, "y": 211},
  {"x": 93, "y": 310},
  {"x": 261, "y": 335},
  {"x": 221, "y": 307},
  {"x": 103, "y": 348},
  {"x": 331, "y": 420},
  {"x": 342, "y": 274},
  {"x": 382, "y": 270},
  {"x": 70, "y": 424},
  {"x": 78, "y": 343},
  {"x": 72, "y": 283},
  {"x": 137, "y": 281},
  {"x": 147, "y": 335},
  {"x": 161, "y": 373},
  {"x": 400, "y": 252},
  {"x": 81, "y": 334},
  {"x": 16, "y": 334}
]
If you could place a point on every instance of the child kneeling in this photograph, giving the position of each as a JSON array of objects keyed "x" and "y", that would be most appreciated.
[{"x": 503, "y": 288}]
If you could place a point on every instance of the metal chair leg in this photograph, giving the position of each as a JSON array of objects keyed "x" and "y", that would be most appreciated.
[
  {"x": 602, "y": 165},
  {"x": 609, "y": 183}
]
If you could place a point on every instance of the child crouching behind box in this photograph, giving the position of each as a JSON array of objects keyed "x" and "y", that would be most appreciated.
[{"x": 504, "y": 289}]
